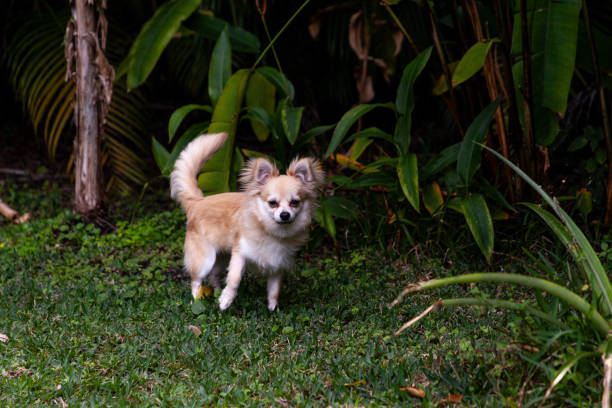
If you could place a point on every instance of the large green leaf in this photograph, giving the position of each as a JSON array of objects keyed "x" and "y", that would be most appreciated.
[
  {"x": 178, "y": 115},
  {"x": 347, "y": 121},
  {"x": 468, "y": 158},
  {"x": 210, "y": 27},
  {"x": 407, "y": 172},
  {"x": 279, "y": 80},
  {"x": 472, "y": 61},
  {"x": 404, "y": 101},
  {"x": 217, "y": 174},
  {"x": 553, "y": 33},
  {"x": 291, "y": 119},
  {"x": 160, "y": 154},
  {"x": 260, "y": 94},
  {"x": 479, "y": 221},
  {"x": 190, "y": 134},
  {"x": 220, "y": 68},
  {"x": 153, "y": 38},
  {"x": 443, "y": 159},
  {"x": 405, "y": 92}
]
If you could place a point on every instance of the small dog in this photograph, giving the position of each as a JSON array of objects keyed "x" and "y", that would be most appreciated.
[{"x": 264, "y": 225}]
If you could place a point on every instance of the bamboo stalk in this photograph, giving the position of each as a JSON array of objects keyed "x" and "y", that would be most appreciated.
[{"x": 489, "y": 75}]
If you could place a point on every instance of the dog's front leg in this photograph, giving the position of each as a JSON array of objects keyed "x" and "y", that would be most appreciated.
[
  {"x": 274, "y": 284},
  {"x": 234, "y": 275}
]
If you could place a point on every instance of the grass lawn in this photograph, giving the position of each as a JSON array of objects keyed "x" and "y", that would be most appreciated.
[{"x": 99, "y": 319}]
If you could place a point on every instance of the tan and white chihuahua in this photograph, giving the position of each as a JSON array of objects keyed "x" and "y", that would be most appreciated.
[{"x": 264, "y": 225}]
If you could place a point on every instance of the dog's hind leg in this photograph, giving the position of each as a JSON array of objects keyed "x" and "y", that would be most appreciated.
[{"x": 199, "y": 260}]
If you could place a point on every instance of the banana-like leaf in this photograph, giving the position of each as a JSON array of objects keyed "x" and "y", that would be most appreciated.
[
  {"x": 210, "y": 27},
  {"x": 468, "y": 158},
  {"x": 260, "y": 94},
  {"x": 553, "y": 33},
  {"x": 220, "y": 68},
  {"x": 407, "y": 172},
  {"x": 478, "y": 218},
  {"x": 347, "y": 121},
  {"x": 553, "y": 26},
  {"x": 216, "y": 175},
  {"x": 153, "y": 38}
]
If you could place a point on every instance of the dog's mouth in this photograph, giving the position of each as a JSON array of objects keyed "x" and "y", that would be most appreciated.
[{"x": 284, "y": 222}]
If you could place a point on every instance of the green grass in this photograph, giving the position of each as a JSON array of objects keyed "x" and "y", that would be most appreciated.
[{"x": 99, "y": 319}]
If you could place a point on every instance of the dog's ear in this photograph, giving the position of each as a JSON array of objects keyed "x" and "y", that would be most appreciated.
[
  {"x": 309, "y": 172},
  {"x": 257, "y": 173}
]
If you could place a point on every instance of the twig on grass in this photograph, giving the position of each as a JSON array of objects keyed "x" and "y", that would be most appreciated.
[{"x": 412, "y": 321}]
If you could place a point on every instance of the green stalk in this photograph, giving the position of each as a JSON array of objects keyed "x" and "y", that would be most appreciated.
[
  {"x": 403, "y": 30},
  {"x": 503, "y": 304},
  {"x": 263, "y": 53},
  {"x": 599, "y": 280},
  {"x": 550, "y": 287}
]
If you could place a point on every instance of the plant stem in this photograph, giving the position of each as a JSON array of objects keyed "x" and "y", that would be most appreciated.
[
  {"x": 283, "y": 28},
  {"x": 554, "y": 289}
]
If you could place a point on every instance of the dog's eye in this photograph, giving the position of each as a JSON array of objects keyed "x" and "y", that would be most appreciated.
[
  {"x": 273, "y": 203},
  {"x": 294, "y": 203}
]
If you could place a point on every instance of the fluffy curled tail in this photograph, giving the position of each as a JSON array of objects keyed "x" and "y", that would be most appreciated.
[{"x": 183, "y": 180}]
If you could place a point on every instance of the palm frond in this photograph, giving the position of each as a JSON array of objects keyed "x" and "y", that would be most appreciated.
[{"x": 37, "y": 68}]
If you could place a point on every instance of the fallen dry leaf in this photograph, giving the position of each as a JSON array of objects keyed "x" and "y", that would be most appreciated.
[
  {"x": 413, "y": 391},
  {"x": 195, "y": 329},
  {"x": 356, "y": 383},
  {"x": 204, "y": 291},
  {"x": 455, "y": 398},
  {"x": 3, "y": 338}
]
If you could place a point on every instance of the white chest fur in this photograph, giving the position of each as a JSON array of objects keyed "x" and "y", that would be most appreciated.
[{"x": 267, "y": 252}]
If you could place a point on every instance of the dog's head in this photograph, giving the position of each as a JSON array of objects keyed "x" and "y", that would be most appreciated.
[{"x": 284, "y": 202}]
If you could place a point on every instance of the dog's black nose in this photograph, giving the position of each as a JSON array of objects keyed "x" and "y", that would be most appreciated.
[{"x": 285, "y": 216}]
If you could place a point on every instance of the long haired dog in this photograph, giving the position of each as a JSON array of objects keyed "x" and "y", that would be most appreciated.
[{"x": 264, "y": 225}]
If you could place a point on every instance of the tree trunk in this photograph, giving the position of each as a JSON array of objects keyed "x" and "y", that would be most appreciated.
[{"x": 85, "y": 40}]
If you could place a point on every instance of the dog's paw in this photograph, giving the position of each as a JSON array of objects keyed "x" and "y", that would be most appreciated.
[
  {"x": 272, "y": 305},
  {"x": 226, "y": 298}
]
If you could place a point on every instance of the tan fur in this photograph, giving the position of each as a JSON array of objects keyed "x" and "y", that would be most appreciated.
[{"x": 264, "y": 225}]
